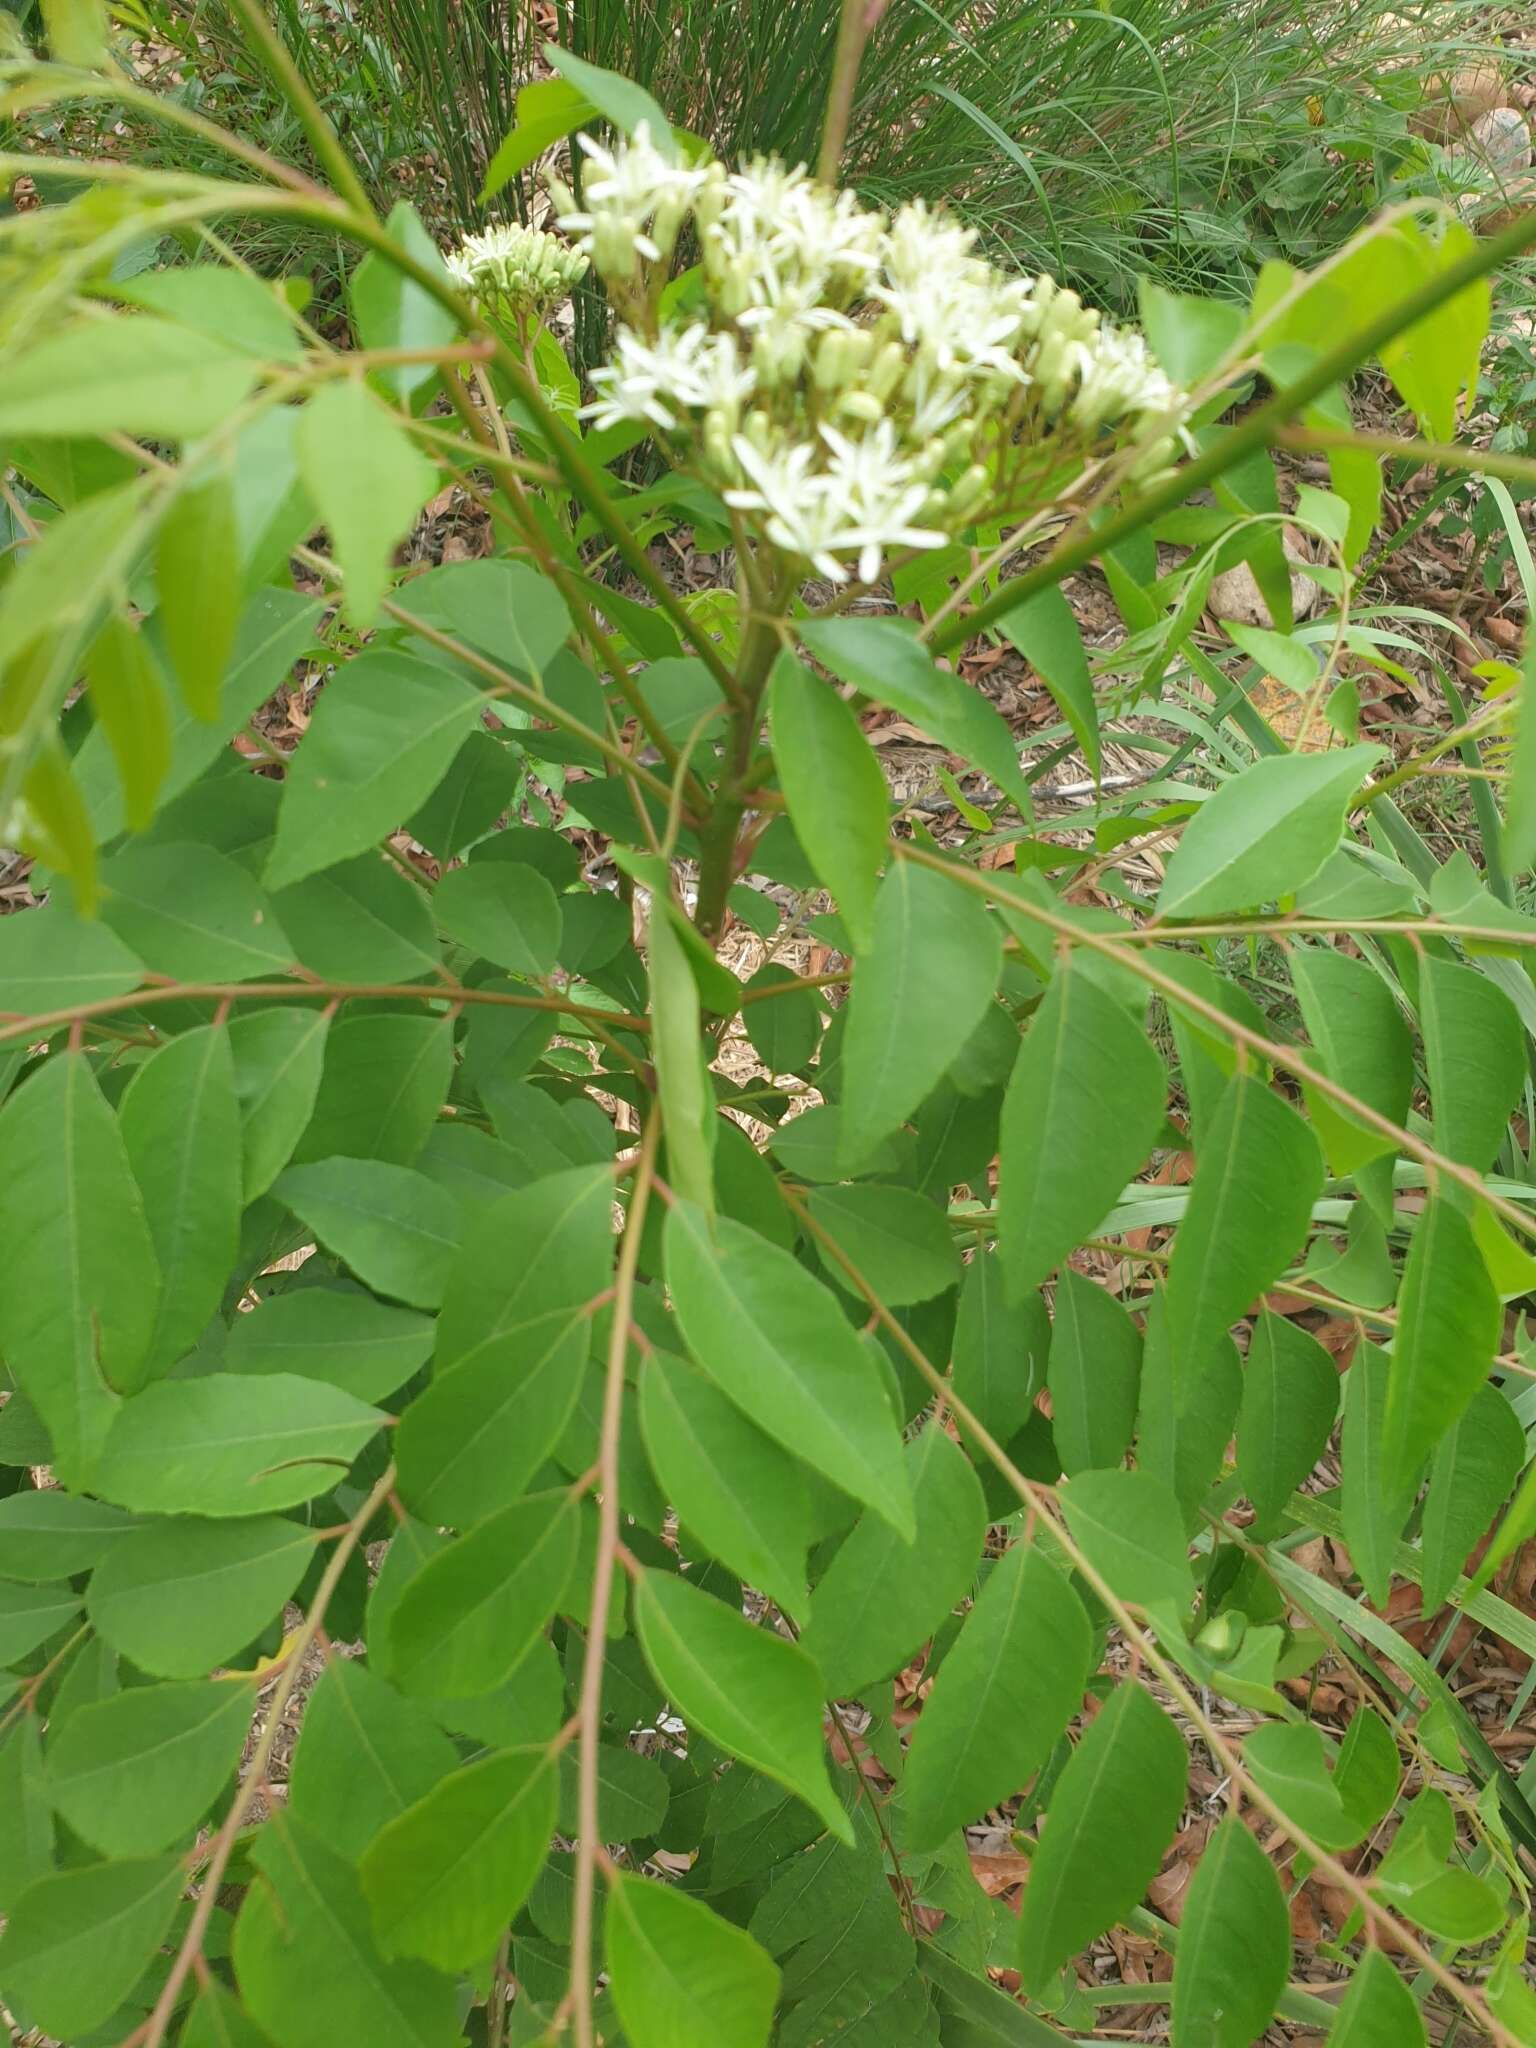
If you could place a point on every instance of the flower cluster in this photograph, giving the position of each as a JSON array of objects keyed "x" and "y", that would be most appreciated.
[
  {"x": 515, "y": 271},
  {"x": 852, "y": 383}
]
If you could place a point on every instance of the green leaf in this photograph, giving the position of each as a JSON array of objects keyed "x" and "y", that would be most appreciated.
[
  {"x": 1000, "y": 1349},
  {"x": 1290, "y": 1399},
  {"x": 179, "y": 1597},
  {"x": 1183, "y": 1442},
  {"x": 226, "y": 1445},
  {"x": 384, "y": 1080},
  {"x": 1045, "y": 631},
  {"x": 507, "y": 610},
  {"x": 1094, "y": 1377},
  {"x": 473, "y": 1611},
  {"x": 1476, "y": 1464},
  {"x": 1373, "y": 1511},
  {"x": 1475, "y": 1048},
  {"x": 396, "y": 1229},
  {"x": 385, "y": 730},
  {"x": 686, "y": 1096},
  {"x": 49, "y": 1534},
  {"x": 1289, "y": 661},
  {"x": 1088, "y": 1088},
  {"x": 632, "y": 1794},
  {"x": 744, "y": 1498},
  {"x": 743, "y": 1688},
  {"x": 619, "y": 100},
  {"x": 192, "y": 914},
  {"x": 899, "y": 1242},
  {"x": 26, "y": 1818},
  {"x": 775, "y": 1341},
  {"x": 76, "y": 1943},
  {"x": 1256, "y": 1177},
  {"x": 1264, "y": 833},
  {"x": 392, "y": 311},
  {"x": 835, "y": 789},
  {"x": 360, "y": 921},
  {"x": 181, "y": 1129},
  {"x": 1128, "y": 1526},
  {"x": 339, "y": 1335},
  {"x": 1379, "y": 2011},
  {"x": 1363, "y": 1043},
  {"x": 682, "y": 1976},
  {"x": 217, "y": 2020},
  {"x": 446, "y": 1877},
  {"x": 1190, "y": 336},
  {"x": 29, "y": 1615},
  {"x": 1003, "y": 1696},
  {"x": 547, "y": 111},
  {"x": 1449, "y": 1319},
  {"x": 275, "y": 629},
  {"x": 785, "y": 1026},
  {"x": 482, "y": 782},
  {"x": 77, "y": 32},
  {"x": 1520, "y": 790},
  {"x": 1369, "y": 1770},
  {"x": 198, "y": 575},
  {"x": 72, "y": 1220},
  {"x": 507, "y": 914},
  {"x": 976, "y": 2010},
  {"x": 1451, "y": 1903},
  {"x": 55, "y": 826},
  {"x": 134, "y": 1773},
  {"x": 368, "y": 480},
  {"x": 277, "y": 1063},
  {"x": 885, "y": 659},
  {"x": 511, "y": 1343},
  {"x": 307, "y": 1964},
  {"x": 51, "y": 960},
  {"x": 920, "y": 991},
  {"x": 881, "y": 1598},
  {"x": 1290, "y": 1762},
  {"x": 233, "y": 306},
  {"x": 1234, "y": 1945},
  {"x": 1112, "y": 1815},
  {"x": 133, "y": 713},
  {"x": 137, "y": 375},
  {"x": 365, "y": 1755}
]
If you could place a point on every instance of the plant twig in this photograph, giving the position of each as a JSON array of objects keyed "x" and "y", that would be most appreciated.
[
  {"x": 1267, "y": 1048},
  {"x": 1082, "y": 543},
  {"x": 858, "y": 18},
  {"x": 591, "y": 1704},
  {"x": 296, "y": 990},
  {"x": 224, "y": 1842},
  {"x": 1041, "y": 1499}
]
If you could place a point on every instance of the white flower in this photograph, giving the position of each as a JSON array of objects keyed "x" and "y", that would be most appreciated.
[
  {"x": 879, "y": 494},
  {"x": 948, "y": 304},
  {"x": 1118, "y": 377},
  {"x": 860, "y": 505},
  {"x": 523, "y": 266},
  {"x": 635, "y": 202},
  {"x": 684, "y": 370},
  {"x": 805, "y": 227}
]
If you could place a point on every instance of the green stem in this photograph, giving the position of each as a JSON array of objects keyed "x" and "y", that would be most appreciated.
[
  {"x": 717, "y": 869},
  {"x": 1518, "y": 469},
  {"x": 1258, "y": 429},
  {"x": 289, "y": 80}
]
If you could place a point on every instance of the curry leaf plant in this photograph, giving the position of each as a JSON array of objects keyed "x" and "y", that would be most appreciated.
[{"x": 620, "y": 1351}]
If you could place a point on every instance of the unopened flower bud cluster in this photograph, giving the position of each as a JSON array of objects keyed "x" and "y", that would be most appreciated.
[
  {"x": 854, "y": 383},
  {"x": 517, "y": 272}
]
